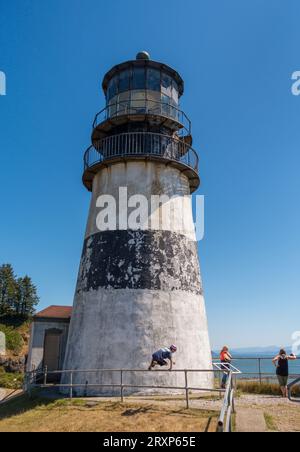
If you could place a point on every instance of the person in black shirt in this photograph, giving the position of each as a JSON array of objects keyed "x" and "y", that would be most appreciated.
[{"x": 281, "y": 362}]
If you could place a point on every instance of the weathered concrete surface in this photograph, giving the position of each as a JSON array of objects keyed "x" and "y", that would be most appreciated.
[
  {"x": 114, "y": 329},
  {"x": 147, "y": 179},
  {"x": 160, "y": 260},
  {"x": 139, "y": 290},
  {"x": 250, "y": 420}
]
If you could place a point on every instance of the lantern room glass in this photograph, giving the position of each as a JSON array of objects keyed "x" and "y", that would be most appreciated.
[{"x": 138, "y": 90}]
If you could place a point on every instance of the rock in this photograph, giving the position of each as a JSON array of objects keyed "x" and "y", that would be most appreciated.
[
  {"x": 13, "y": 366},
  {"x": 3, "y": 360}
]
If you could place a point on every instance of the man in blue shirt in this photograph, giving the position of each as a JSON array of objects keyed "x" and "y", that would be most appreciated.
[{"x": 160, "y": 357}]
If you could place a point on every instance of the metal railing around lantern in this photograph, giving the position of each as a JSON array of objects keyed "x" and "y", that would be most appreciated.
[
  {"x": 135, "y": 107},
  {"x": 141, "y": 144}
]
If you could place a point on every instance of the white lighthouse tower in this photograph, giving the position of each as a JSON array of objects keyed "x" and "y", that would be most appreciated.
[{"x": 139, "y": 287}]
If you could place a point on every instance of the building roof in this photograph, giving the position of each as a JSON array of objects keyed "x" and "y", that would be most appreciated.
[{"x": 55, "y": 312}]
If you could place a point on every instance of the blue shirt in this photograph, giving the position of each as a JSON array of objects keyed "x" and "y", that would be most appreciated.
[{"x": 164, "y": 353}]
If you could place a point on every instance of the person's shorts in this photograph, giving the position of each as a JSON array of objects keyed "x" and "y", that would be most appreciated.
[
  {"x": 161, "y": 362},
  {"x": 283, "y": 381}
]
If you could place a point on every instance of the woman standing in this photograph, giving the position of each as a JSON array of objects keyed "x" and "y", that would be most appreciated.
[
  {"x": 225, "y": 358},
  {"x": 281, "y": 362}
]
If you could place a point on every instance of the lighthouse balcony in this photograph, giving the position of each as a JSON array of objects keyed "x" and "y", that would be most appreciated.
[
  {"x": 155, "y": 113},
  {"x": 166, "y": 149}
]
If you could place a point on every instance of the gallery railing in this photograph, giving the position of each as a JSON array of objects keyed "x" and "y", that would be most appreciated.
[
  {"x": 137, "y": 107},
  {"x": 141, "y": 144}
]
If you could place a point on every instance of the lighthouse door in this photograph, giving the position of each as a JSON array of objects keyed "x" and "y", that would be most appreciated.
[{"x": 52, "y": 346}]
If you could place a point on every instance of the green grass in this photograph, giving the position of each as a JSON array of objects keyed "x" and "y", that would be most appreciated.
[
  {"x": 270, "y": 422},
  {"x": 10, "y": 380},
  {"x": 14, "y": 340}
]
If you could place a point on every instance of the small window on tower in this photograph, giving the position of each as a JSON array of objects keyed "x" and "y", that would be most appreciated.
[
  {"x": 175, "y": 92},
  {"x": 153, "y": 79},
  {"x": 138, "y": 102},
  {"x": 124, "y": 103},
  {"x": 165, "y": 105},
  {"x": 124, "y": 81},
  {"x": 139, "y": 78},
  {"x": 113, "y": 87},
  {"x": 166, "y": 85}
]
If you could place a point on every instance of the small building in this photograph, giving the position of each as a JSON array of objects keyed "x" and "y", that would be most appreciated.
[{"x": 49, "y": 334}]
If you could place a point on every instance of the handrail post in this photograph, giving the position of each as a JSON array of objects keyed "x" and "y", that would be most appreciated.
[
  {"x": 29, "y": 386},
  {"x": 186, "y": 389},
  {"x": 122, "y": 397},
  {"x": 232, "y": 392},
  {"x": 71, "y": 385},
  {"x": 45, "y": 374},
  {"x": 259, "y": 370}
]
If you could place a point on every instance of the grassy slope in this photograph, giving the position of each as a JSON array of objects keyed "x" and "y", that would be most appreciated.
[{"x": 17, "y": 333}]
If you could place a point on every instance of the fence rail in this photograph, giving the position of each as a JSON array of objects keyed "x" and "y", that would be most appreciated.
[
  {"x": 143, "y": 107},
  {"x": 141, "y": 144},
  {"x": 224, "y": 422},
  {"x": 261, "y": 368}
]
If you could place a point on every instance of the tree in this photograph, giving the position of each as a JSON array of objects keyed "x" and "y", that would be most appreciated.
[
  {"x": 18, "y": 296},
  {"x": 29, "y": 297},
  {"x": 8, "y": 289}
]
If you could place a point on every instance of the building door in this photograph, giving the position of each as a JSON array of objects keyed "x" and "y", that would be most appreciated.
[{"x": 52, "y": 347}]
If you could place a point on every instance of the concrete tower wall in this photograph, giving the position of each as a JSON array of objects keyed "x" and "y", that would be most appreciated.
[{"x": 138, "y": 290}]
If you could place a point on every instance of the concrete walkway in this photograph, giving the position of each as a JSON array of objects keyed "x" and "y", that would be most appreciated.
[
  {"x": 250, "y": 420},
  {"x": 2, "y": 393}
]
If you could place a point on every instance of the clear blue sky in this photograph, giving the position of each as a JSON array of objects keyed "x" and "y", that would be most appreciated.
[{"x": 237, "y": 58}]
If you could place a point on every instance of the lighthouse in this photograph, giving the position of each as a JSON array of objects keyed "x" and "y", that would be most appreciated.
[{"x": 139, "y": 286}]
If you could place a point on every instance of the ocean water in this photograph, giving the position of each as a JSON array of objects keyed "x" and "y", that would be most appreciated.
[{"x": 249, "y": 366}]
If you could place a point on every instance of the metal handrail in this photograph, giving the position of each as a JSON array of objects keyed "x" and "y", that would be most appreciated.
[
  {"x": 225, "y": 419},
  {"x": 144, "y": 107},
  {"x": 290, "y": 387},
  {"x": 42, "y": 374},
  {"x": 260, "y": 375},
  {"x": 141, "y": 144}
]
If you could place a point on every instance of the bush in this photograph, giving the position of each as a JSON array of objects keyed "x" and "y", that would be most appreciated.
[
  {"x": 14, "y": 341},
  {"x": 10, "y": 381}
]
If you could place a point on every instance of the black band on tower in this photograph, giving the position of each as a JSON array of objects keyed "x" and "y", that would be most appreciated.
[{"x": 154, "y": 260}]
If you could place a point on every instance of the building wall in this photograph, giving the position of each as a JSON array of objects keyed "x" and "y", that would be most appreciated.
[{"x": 37, "y": 338}]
